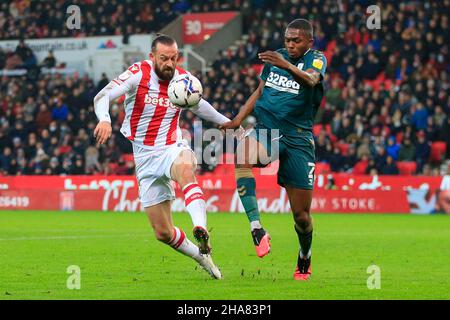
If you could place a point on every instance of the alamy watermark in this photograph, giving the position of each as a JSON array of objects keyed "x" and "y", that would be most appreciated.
[
  {"x": 374, "y": 20},
  {"x": 258, "y": 148},
  {"x": 374, "y": 280},
  {"x": 73, "y": 22},
  {"x": 74, "y": 280}
]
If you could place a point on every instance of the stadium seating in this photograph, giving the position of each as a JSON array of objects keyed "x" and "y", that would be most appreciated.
[
  {"x": 360, "y": 167},
  {"x": 438, "y": 150},
  {"x": 343, "y": 147},
  {"x": 322, "y": 168},
  {"x": 407, "y": 168}
]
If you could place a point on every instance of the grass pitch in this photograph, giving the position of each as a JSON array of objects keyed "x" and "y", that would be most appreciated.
[{"x": 119, "y": 257}]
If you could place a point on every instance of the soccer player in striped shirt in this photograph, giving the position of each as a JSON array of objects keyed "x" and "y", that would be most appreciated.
[{"x": 152, "y": 125}]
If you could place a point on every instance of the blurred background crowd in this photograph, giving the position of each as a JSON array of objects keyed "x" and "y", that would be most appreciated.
[{"x": 386, "y": 109}]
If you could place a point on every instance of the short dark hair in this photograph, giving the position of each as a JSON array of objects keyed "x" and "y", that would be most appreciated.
[
  {"x": 163, "y": 39},
  {"x": 303, "y": 25}
]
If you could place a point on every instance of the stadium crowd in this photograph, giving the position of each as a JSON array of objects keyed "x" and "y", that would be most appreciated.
[
  {"x": 43, "y": 19},
  {"x": 387, "y": 98}
]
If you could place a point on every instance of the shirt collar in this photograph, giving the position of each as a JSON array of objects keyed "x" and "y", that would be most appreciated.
[{"x": 306, "y": 52}]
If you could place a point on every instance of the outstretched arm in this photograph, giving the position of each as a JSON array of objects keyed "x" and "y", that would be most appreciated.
[
  {"x": 116, "y": 88},
  {"x": 246, "y": 109},
  {"x": 308, "y": 78},
  {"x": 207, "y": 112}
]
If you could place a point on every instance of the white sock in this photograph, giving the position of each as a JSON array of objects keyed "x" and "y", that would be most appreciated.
[
  {"x": 255, "y": 225},
  {"x": 307, "y": 256},
  {"x": 195, "y": 204},
  {"x": 182, "y": 244}
]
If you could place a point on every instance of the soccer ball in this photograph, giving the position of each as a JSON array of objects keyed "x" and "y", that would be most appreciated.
[{"x": 185, "y": 91}]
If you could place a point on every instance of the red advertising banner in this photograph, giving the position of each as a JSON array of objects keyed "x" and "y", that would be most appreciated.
[
  {"x": 218, "y": 181},
  {"x": 121, "y": 198},
  {"x": 120, "y": 193},
  {"x": 198, "y": 27}
]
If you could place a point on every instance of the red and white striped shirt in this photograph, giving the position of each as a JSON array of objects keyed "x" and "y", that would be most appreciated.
[{"x": 151, "y": 120}]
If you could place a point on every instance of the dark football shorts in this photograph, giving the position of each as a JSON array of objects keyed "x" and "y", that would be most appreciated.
[{"x": 295, "y": 152}]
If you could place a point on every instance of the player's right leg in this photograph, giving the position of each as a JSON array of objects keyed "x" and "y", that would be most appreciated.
[
  {"x": 249, "y": 153},
  {"x": 161, "y": 221}
]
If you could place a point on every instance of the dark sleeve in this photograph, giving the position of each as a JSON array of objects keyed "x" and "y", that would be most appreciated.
[
  {"x": 318, "y": 63},
  {"x": 265, "y": 72}
]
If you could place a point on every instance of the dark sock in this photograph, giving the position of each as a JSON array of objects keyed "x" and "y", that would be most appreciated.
[
  {"x": 246, "y": 189},
  {"x": 305, "y": 240}
]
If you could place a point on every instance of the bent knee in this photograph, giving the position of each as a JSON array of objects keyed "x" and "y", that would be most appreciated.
[
  {"x": 183, "y": 172},
  {"x": 163, "y": 235},
  {"x": 302, "y": 219}
]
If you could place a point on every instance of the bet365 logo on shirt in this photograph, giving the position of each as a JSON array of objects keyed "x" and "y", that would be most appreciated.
[{"x": 162, "y": 102}]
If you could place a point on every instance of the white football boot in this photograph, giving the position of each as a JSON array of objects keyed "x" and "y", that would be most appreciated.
[{"x": 207, "y": 263}]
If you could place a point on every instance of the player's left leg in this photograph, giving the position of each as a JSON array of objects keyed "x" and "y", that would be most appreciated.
[
  {"x": 161, "y": 221},
  {"x": 182, "y": 171},
  {"x": 249, "y": 153},
  {"x": 300, "y": 201}
]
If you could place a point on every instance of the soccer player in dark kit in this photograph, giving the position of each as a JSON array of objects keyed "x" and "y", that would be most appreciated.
[{"x": 286, "y": 100}]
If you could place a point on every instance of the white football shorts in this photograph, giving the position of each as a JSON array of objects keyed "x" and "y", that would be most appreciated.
[{"x": 153, "y": 172}]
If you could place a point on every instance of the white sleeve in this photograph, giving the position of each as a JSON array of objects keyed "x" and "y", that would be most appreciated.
[
  {"x": 207, "y": 112},
  {"x": 119, "y": 86}
]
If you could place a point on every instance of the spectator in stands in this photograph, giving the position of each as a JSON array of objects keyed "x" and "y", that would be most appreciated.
[
  {"x": 49, "y": 61},
  {"x": 322, "y": 145},
  {"x": 433, "y": 132},
  {"x": 371, "y": 168},
  {"x": 344, "y": 130},
  {"x": 361, "y": 166},
  {"x": 393, "y": 148},
  {"x": 5, "y": 141},
  {"x": 54, "y": 168},
  {"x": 439, "y": 117},
  {"x": 26, "y": 55},
  {"x": 60, "y": 110},
  {"x": 422, "y": 150},
  {"x": 407, "y": 151},
  {"x": 19, "y": 132},
  {"x": 364, "y": 147},
  {"x": 390, "y": 167},
  {"x": 30, "y": 147},
  {"x": 2, "y": 59},
  {"x": 380, "y": 158},
  {"x": 78, "y": 166},
  {"x": 103, "y": 82},
  {"x": 350, "y": 159},
  {"x": 419, "y": 117},
  {"x": 92, "y": 160},
  {"x": 337, "y": 161},
  {"x": 22, "y": 167},
  {"x": 41, "y": 158},
  {"x": 45, "y": 139},
  {"x": 333, "y": 94},
  {"x": 5, "y": 159}
]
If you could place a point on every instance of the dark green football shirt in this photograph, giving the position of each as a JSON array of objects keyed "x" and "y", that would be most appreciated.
[{"x": 284, "y": 103}]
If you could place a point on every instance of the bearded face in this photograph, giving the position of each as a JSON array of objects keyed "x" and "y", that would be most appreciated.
[{"x": 165, "y": 59}]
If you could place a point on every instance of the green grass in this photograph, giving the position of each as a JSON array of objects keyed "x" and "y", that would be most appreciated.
[{"x": 120, "y": 259}]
